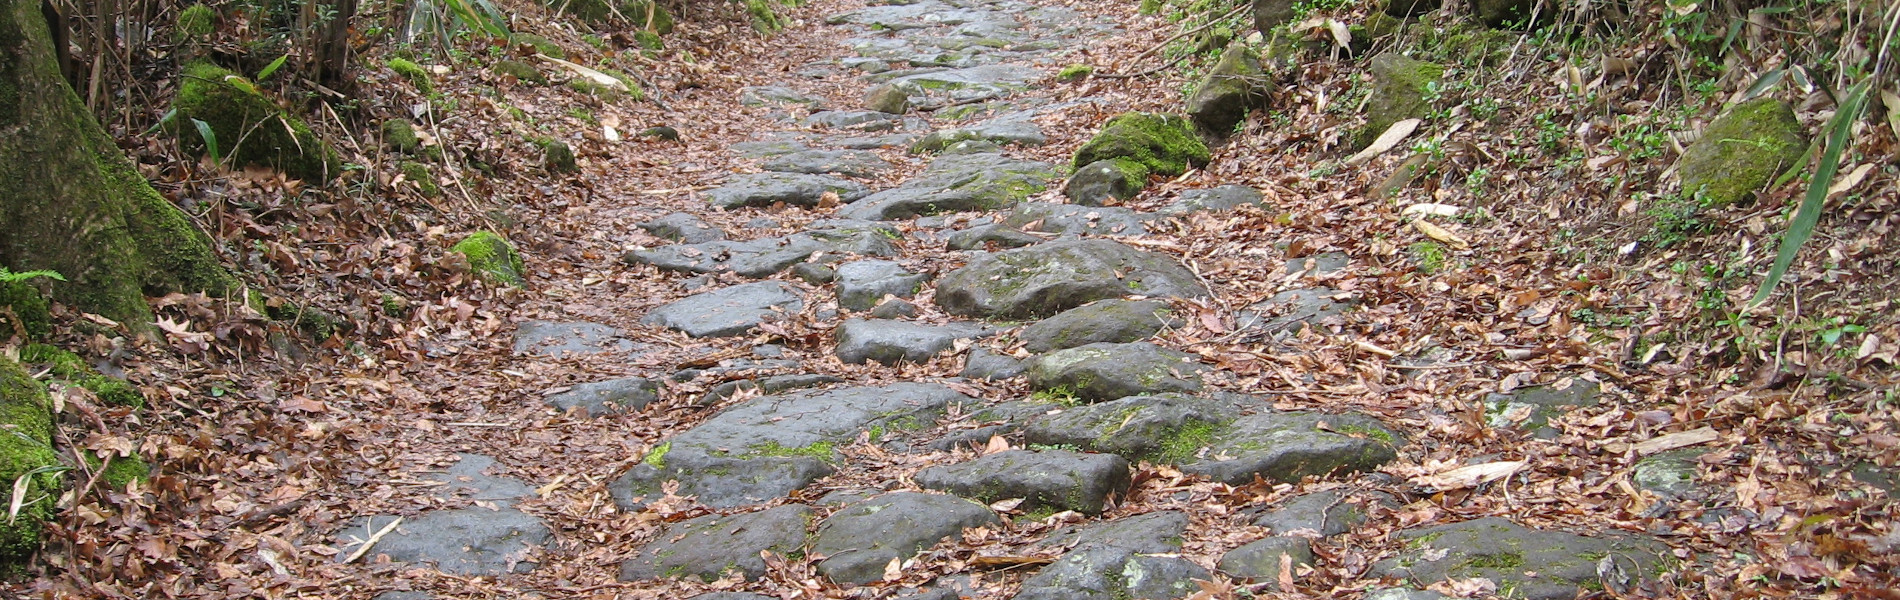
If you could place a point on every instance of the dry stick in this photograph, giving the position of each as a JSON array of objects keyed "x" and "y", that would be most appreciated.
[{"x": 373, "y": 538}]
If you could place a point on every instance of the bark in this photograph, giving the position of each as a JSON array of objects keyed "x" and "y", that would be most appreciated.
[{"x": 70, "y": 200}]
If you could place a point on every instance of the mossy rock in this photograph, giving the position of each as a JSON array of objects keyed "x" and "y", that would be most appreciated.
[
  {"x": 1165, "y": 143},
  {"x": 1228, "y": 91},
  {"x": 195, "y": 25},
  {"x": 1075, "y": 72},
  {"x": 540, "y": 44},
  {"x": 71, "y": 368},
  {"x": 659, "y": 22},
  {"x": 649, "y": 40},
  {"x": 415, "y": 74},
  {"x": 400, "y": 135},
  {"x": 764, "y": 18},
  {"x": 121, "y": 471},
  {"x": 317, "y": 324},
  {"x": 1401, "y": 89},
  {"x": 521, "y": 71},
  {"x": 558, "y": 157},
  {"x": 608, "y": 92},
  {"x": 492, "y": 259},
  {"x": 1504, "y": 13},
  {"x": 591, "y": 11},
  {"x": 419, "y": 174},
  {"x": 1742, "y": 151},
  {"x": 26, "y": 448},
  {"x": 21, "y": 306},
  {"x": 250, "y": 129}
]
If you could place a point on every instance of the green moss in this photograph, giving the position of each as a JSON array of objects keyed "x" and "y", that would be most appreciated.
[
  {"x": 656, "y": 457},
  {"x": 1181, "y": 445},
  {"x": 250, "y": 129},
  {"x": 26, "y": 426},
  {"x": 123, "y": 470},
  {"x": 1742, "y": 151},
  {"x": 541, "y": 44},
  {"x": 1505, "y": 560},
  {"x": 521, "y": 71},
  {"x": 764, "y": 18},
  {"x": 608, "y": 92},
  {"x": 492, "y": 259},
  {"x": 69, "y": 367},
  {"x": 400, "y": 135},
  {"x": 195, "y": 24},
  {"x": 414, "y": 73},
  {"x": 648, "y": 16},
  {"x": 649, "y": 40},
  {"x": 395, "y": 305},
  {"x": 1164, "y": 143},
  {"x": 558, "y": 157},
  {"x": 1366, "y": 432},
  {"x": 820, "y": 450},
  {"x": 419, "y": 174},
  {"x": 1402, "y": 89},
  {"x": 1074, "y": 72},
  {"x": 1152, "y": 7},
  {"x": 22, "y": 306},
  {"x": 591, "y": 11}
]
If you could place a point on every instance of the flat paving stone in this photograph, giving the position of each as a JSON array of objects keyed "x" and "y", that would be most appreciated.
[
  {"x": 964, "y": 182},
  {"x": 710, "y": 546},
  {"x": 598, "y": 398},
  {"x": 727, "y": 311},
  {"x": 1044, "y": 479},
  {"x": 1105, "y": 371},
  {"x": 490, "y": 538},
  {"x": 860, "y": 539},
  {"x": 1048, "y": 278},
  {"x": 891, "y": 342},
  {"x": 1524, "y": 562},
  {"x": 557, "y": 339},
  {"x": 795, "y": 189}
]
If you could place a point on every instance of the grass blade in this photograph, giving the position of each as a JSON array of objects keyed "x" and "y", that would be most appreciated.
[
  {"x": 211, "y": 139},
  {"x": 1839, "y": 130},
  {"x": 272, "y": 67}
]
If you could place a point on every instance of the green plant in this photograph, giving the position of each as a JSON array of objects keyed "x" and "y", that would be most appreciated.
[
  {"x": 1832, "y": 329},
  {"x": 1839, "y": 136},
  {"x": 8, "y": 276},
  {"x": 1677, "y": 220}
]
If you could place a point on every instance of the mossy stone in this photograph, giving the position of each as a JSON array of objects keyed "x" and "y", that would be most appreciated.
[
  {"x": 1228, "y": 91},
  {"x": 1401, "y": 89},
  {"x": 414, "y": 73},
  {"x": 21, "y": 306},
  {"x": 541, "y": 44},
  {"x": 591, "y": 11},
  {"x": 195, "y": 24},
  {"x": 1075, "y": 72},
  {"x": 492, "y": 259},
  {"x": 1165, "y": 143},
  {"x": 1742, "y": 151},
  {"x": 660, "y": 21},
  {"x": 419, "y": 174},
  {"x": 400, "y": 135},
  {"x": 71, "y": 368},
  {"x": 26, "y": 447},
  {"x": 250, "y": 129},
  {"x": 121, "y": 471},
  {"x": 559, "y": 158},
  {"x": 521, "y": 71},
  {"x": 649, "y": 40}
]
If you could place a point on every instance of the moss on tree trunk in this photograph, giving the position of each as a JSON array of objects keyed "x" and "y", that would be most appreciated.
[{"x": 71, "y": 202}]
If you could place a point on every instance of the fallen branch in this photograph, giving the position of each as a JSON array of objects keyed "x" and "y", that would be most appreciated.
[{"x": 371, "y": 542}]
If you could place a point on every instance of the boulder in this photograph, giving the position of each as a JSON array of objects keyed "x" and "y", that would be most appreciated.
[
  {"x": 764, "y": 448},
  {"x": 862, "y": 284},
  {"x": 1048, "y": 278},
  {"x": 887, "y": 99},
  {"x": 1232, "y": 87},
  {"x": 608, "y": 397},
  {"x": 1164, "y": 143},
  {"x": 983, "y": 364},
  {"x": 962, "y": 182},
  {"x": 860, "y": 539},
  {"x": 727, "y": 311},
  {"x": 1051, "y": 480},
  {"x": 795, "y": 189},
  {"x": 249, "y": 128},
  {"x": 1113, "y": 320},
  {"x": 892, "y": 342},
  {"x": 1742, "y": 151},
  {"x": 1400, "y": 91},
  {"x": 1166, "y": 428},
  {"x": 710, "y": 546},
  {"x": 1103, "y": 371},
  {"x": 1095, "y": 183},
  {"x": 1260, "y": 559},
  {"x": 1525, "y": 563}
]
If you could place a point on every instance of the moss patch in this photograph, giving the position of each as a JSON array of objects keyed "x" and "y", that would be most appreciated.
[
  {"x": 413, "y": 73},
  {"x": 250, "y": 129},
  {"x": 541, "y": 44},
  {"x": 1074, "y": 72},
  {"x": 1181, "y": 446},
  {"x": 492, "y": 259},
  {"x": 1164, "y": 143},
  {"x": 419, "y": 174},
  {"x": 400, "y": 135},
  {"x": 656, "y": 458},
  {"x": 1401, "y": 90},
  {"x": 122, "y": 470},
  {"x": 195, "y": 24},
  {"x": 25, "y": 447},
  {"x": 521, "y": 71},
  {"x": 1741, "y": 151},
  {"x": 820, "y": 450},
  {"x": 71, "y": 368},
  {"x": 648, "y": 16},
  {"x": 22, "y": 309}
]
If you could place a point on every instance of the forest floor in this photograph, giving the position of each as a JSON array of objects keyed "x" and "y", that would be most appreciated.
[{"x": 268, "y": 450}]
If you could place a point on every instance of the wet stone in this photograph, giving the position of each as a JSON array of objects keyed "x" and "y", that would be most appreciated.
[
  {"x": 765, "y": 257},
  {"x": 1096, "y": 183},
  {"x": 894, "y": 309},
  {"x": 1530, "y": 409},
  {"x": 1290, "y": 311},
  {"x": 1166, "y": 428},
  {"x": 1112, "y": 320},
  {"x": 957, "y": 183},
  {"x": 983, "y": 364},
  {"x": 727, "y": 311},
  {"x": 1078, "y": 219},
  {"x": 892, "y": 342},
  {"x": 766, "y": 447},
  {"x": 710, "y": 546},
  {"x": 776, "y": 94},
  {"x": 1047, "y": 278},
  {"x": 1000, "y": 131},
  {"x": 862, "y": 284},
  {"x": 887, "y": 99},
  {"x": 1260, "y": 560},
  {"x": 1048, "y": 479},
  {"x": 985, "y": 236},
  {"x": 608, "y": 397},
  {"x": 1110, "y": 573},
  {"x": 850, "y": 163},
  {"x": 1214, "y": 199},
  {"x": 860, "y": 539},
  {"x": 683, "y": 227},
  {"x": 796, "y": 189},
  {"x": 1103, "y": 371},
  {"x": 552, "y": 339},
  {"x": 1152, "y": 533},
  {"x": 1327, "y": 513},
  {"x": 1287, "y": 446},
  {"x": 1525, "y": 563}
]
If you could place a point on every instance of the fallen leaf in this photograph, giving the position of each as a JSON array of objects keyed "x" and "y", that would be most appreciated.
[
  {"x": 1471, "y": 476},
  {"x": 1676, "y": 440},
  {"x": 1441, "y": 234},
  {"x": 1386, "y": 141}
]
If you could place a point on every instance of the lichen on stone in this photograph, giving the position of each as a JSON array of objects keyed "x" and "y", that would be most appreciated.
[
  {"x": 492, "y": 259},
  {"x": 250, "y": 129},
  {"x": 1165, "y": 143}
]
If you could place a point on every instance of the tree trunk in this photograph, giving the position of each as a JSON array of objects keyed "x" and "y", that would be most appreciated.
[{"x": 70, "y": 200}]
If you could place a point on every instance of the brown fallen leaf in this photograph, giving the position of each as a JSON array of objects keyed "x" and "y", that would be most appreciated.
[
  {"x": 1676, "y": 440},
  {"x": 1435, "y": 232},
  {"x": 1004, "y": 562}
]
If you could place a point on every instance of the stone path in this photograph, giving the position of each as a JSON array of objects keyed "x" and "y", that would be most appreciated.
[{"x": 1047, "y": 273}]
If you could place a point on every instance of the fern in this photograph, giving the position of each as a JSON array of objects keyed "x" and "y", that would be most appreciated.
[{"x": 8, "y": 276}]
